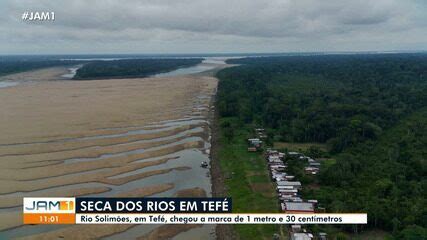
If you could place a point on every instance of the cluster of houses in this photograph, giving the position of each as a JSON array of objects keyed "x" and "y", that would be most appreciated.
[
  {"x": 313, "y": 166},
  {"x": 298, "y": 233},
  {"x": 286, "y": 185},
  {"x": 254, "y": 144},
  {"x": 288, "y": 192}
]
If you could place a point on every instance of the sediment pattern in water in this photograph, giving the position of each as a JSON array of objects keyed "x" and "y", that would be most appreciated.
[{"x": 157, "y": 152}]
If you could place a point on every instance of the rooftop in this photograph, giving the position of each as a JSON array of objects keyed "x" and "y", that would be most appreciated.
[
  {"x": 301, "y": 236},
  {"x": 299, "y": 206},
  {"x": 289, "y": 183}
]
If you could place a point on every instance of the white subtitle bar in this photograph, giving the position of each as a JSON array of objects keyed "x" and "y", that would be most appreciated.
[{"x": 232, "y": 218}]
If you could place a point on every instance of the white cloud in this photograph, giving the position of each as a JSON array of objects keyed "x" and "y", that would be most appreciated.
[{"x": 213, "y": 26}]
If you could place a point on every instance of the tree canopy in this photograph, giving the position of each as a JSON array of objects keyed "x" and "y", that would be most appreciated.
[{"x": 371, "y": 110}]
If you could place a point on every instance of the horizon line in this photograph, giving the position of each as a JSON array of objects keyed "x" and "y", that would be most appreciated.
[{"x": 223, "y": 53}]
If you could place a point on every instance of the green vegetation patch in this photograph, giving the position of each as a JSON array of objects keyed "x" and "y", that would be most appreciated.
[
  {"x": 292, "y": 146},
  {"x": 246, "y": 179}
]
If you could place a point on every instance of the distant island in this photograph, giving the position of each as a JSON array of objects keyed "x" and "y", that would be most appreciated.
[
  {"x": 132, "y": 68},
  {"x": 17, "y": 65}
]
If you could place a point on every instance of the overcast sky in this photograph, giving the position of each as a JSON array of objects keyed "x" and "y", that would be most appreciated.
[{"x": 213, "y": 26}]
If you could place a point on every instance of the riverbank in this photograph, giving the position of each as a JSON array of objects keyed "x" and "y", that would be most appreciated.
[
  {"x": 223, "y": 231},
  {"x": 243, "y": 176}
]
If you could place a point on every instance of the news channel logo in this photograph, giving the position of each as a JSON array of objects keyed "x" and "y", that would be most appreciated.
[{"x": 49, "y": 205}]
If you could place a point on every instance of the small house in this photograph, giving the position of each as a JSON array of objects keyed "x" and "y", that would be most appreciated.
[
  {"x": 295, "y": 184},
  {"x": 296, "y": 228},
  {"x": 285, "y": 197},
  {"x": 314, "y": 164},
  {"x": 254, "y": 141},
  {"x": 252, "y": 149},
  {"x": 278, "y": 167},
  {"x": 293, "y": 192},
  {"x": 294, "y": 154},
  {"x": 299, "y": 207},
  {"x": 285, "y": 187},
  {"x": 301, "y": 236},
  {"x": 311, "y": 170},
  {"x": 323, "y": 236}
]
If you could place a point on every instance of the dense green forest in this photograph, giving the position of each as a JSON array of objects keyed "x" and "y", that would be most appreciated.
[
  {"x": 8, "y": 66},
  {"x": 132, "y": 67},
  {"x": 336, "y": 99},
  {"x": 385, "y": 178},
  {"x": 369, "y": 109}
]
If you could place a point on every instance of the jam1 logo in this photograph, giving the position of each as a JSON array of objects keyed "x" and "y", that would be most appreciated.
[
  {"x": 49, "y": 205},
  {"x": 49, "y": 210}
]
